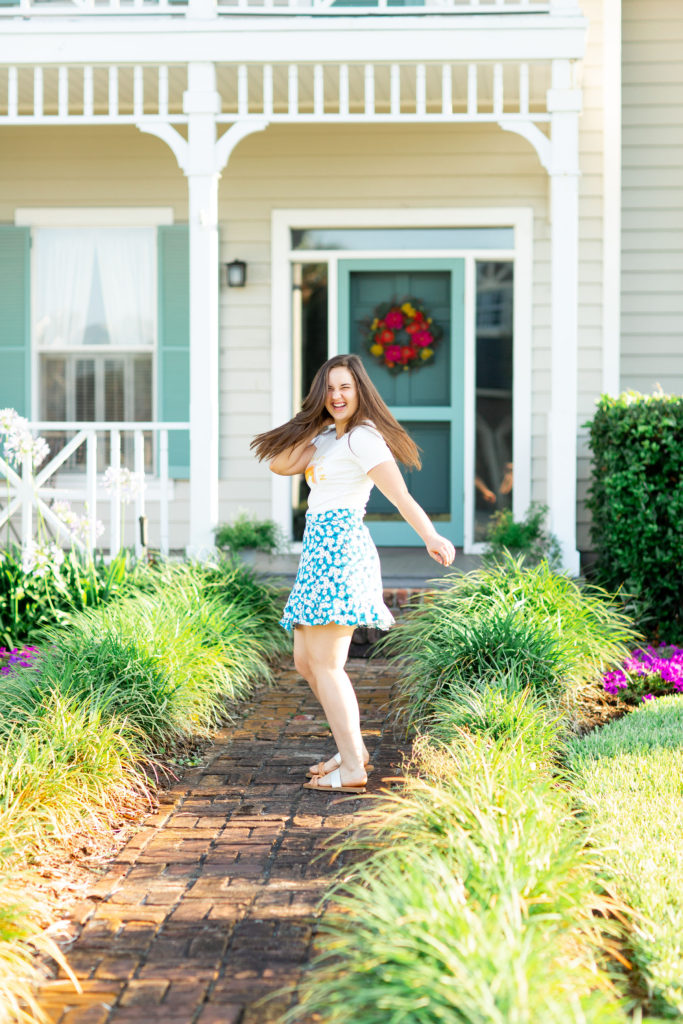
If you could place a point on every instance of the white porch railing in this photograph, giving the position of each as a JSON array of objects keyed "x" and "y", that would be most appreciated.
[
  {"x": 32, "y": 493},
  {"x": 281, "y": 93},
  {"x": 41, "y": 8}
]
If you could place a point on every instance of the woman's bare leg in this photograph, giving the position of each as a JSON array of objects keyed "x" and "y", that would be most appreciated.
[
  {"x": 326, "y": 650},
  {"x": 303, "y": 667}
]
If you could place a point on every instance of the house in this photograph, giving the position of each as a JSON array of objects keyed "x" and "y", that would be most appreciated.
[{"x": 507, "y": 165}]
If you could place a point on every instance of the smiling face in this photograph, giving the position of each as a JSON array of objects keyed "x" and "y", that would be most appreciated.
[{"x": 342, "y": 397}]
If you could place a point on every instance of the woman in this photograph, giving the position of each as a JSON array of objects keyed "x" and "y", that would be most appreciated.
[{"x": 345, "y": 440}]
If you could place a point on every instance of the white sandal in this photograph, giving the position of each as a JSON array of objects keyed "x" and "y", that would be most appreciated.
[
  {"x": 335, "y": 783},
  {"x": 319, "y": 769}
]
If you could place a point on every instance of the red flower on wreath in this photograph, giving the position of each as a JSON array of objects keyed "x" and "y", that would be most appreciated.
[{"x": 402, "y": 335}]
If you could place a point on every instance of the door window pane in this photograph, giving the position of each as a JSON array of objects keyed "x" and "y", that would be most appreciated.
[
  {"x": 404, "y": 238},
  {"x": 310, "y": 336},
  {"x": 493, "y": 401},
  {"x": 431, "y": 486}
]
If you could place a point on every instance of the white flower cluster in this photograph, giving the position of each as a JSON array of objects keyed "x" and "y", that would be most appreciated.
[
  {"x": 78, "y": 526},
  {"x": 128, "y": 484},
  {"x": 42, "y": 559},
  {"x": 19, "y": 441}
]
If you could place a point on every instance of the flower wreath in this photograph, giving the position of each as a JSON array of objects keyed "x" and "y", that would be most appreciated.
[{"x": 402, "y": 335}]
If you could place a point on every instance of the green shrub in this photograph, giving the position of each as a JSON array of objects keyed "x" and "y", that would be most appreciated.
[
  {"x": 627, "y": 777},
  {"x": 248, "y": 531},
  {"x": 528, "y": 537},
  {"x": 636, "y": 501},
  {"x": 505, "y": 625}
]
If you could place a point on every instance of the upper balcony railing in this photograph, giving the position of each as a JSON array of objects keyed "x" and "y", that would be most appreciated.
[{"x": 204, "y": 8}]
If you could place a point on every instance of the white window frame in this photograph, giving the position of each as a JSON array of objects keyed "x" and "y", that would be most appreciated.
[
  {"x": 89, "y": 217},
  {"x": 521, "y": 253}
]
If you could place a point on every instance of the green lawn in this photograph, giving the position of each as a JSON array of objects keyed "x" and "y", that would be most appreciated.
[{"x": 630, "y": 778}]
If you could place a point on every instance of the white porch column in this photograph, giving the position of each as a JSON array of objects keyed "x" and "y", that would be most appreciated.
[
  {"x": 564, "y": 104},
  {"x": 201, "y": 103}
]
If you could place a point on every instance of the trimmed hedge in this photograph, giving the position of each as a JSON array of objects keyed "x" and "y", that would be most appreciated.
[{"x": 636, "y": 500}]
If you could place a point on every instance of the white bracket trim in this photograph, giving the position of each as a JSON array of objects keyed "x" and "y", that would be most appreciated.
[
  {"x": 533, "y": 134},
  {"x": 172, "y": 137},
  {"x": 223, "y": 148},
  {"x": 234, "y": 135}
]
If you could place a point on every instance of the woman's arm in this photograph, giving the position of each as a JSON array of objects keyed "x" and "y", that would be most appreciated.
[
  {"x": 387, "y": 477},
  {"x": 293, "y": 460}
]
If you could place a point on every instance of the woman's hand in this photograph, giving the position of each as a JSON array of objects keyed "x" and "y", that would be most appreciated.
[{"x": 440, "y": 549}]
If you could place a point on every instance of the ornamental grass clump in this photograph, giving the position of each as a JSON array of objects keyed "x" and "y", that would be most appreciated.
[
  {"x": 164, "y": 669},
  {"x": 481, "y": 902},
  {"x": 64, "y": 768},
  {"x": 22, "y": 936},
  {"x": 501, "y": 625},
  {"x": 627, "y": 778}
]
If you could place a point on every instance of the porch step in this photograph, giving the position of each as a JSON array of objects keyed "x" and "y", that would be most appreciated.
[
  {"x": 403, "y": 569},
  {"x": 401, "y": 597}
]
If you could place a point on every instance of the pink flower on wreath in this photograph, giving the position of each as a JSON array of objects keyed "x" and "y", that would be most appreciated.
[
  {"x": 394, "y": 319},
  {"x": 423, "y": 338},
  {"x": 392, "y": 353}
]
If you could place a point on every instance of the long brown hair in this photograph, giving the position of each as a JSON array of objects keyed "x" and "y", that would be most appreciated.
[{"x": 314, "y": 417}]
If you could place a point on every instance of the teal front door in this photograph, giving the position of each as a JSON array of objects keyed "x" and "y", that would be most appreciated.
[{"x": 428, "y": 399}]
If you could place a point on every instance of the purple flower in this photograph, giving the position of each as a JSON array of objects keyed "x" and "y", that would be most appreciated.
[{"x": 648, "y": 696}]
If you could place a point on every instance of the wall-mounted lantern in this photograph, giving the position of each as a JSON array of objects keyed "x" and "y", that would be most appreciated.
[{"x": 236, "y": 274}]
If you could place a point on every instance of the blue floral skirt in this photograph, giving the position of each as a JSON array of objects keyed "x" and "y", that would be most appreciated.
[{"x": 339, "y": 578}]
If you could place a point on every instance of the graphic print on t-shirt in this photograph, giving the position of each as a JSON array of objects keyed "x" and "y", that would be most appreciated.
[{"x": 315, "y": 472}]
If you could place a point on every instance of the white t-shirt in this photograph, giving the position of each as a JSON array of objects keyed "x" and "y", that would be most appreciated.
[{"x": 338, "y": 472}]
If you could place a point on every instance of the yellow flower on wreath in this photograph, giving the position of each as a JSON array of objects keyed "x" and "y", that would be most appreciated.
[
  {"x": 376, "y": 350},
  {"x": 426, "y": 353},
  {"x": 408, "y": 309},
  {"x": 375, "y": 324}
]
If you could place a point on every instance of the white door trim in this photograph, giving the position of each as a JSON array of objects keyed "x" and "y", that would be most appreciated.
[{"x": 282, "y": 255}]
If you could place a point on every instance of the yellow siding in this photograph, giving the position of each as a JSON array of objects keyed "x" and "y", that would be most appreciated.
[{"x": 652, "y": 240}]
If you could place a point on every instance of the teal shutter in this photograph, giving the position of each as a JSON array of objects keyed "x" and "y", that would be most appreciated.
[
  {"x": 174, "y": 340},
  {"x": 15, "y": 319}
]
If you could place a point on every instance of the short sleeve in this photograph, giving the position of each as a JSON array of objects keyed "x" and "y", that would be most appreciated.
[
  {"x": 369, "y": 448},
  {"x": 319, "y": 438}
]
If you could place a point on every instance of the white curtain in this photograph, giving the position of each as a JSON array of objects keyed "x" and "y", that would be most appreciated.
[
  {"x": 66, "y": 263},
  {"x": 63, "y": 279},
  {"x": 126, "y": 264}
]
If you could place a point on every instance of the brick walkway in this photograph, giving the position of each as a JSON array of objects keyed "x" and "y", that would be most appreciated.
[{"x": 211, "y": 905}]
